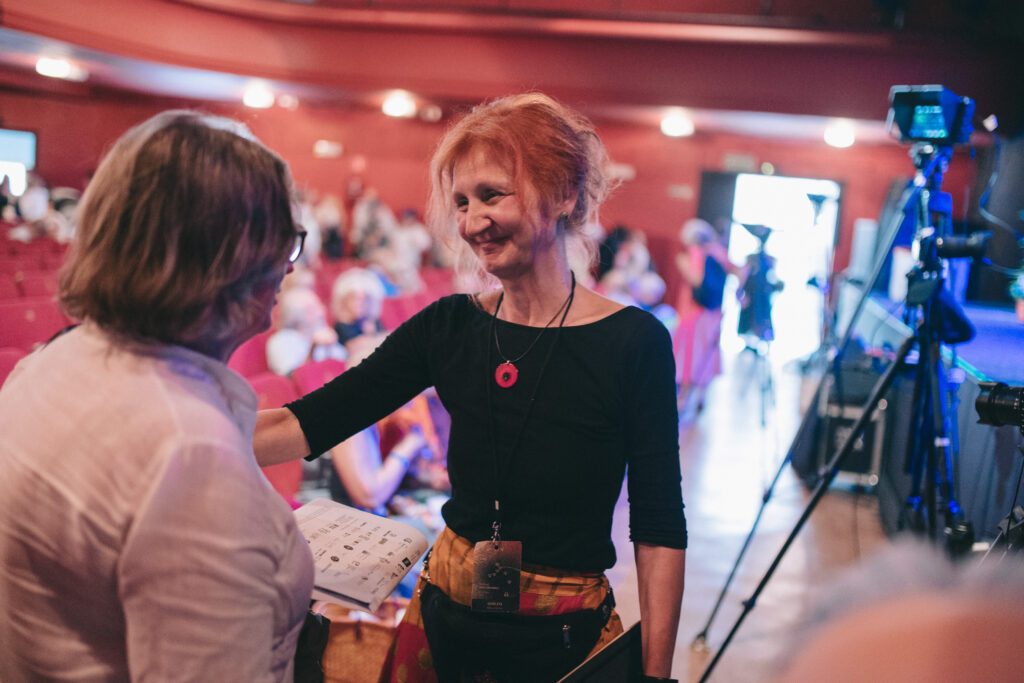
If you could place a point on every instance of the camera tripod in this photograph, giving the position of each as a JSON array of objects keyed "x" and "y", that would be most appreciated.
[{"x": 929, "y": 452}]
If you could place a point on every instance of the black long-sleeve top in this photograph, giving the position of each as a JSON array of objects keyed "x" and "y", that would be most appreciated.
[{"x": 606, "y": 400}]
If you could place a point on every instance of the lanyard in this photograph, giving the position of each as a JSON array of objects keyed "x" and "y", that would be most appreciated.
[{"x": 501, "y": 467}]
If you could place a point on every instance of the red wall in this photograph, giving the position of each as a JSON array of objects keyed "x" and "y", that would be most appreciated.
[{"x": 73, "y": 132}]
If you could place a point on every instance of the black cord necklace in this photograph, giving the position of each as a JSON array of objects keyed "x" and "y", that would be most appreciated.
[{"x": 506, "y": 373}]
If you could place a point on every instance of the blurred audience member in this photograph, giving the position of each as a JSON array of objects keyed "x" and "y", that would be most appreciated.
[
  {"x": 609, "y": 246},
  {"x": 330, "y": 217},
  {"x": 39, "y": 214},
  {"x": 402, "y": 259},
  {"x": 314, "y": 238},
  {"x": 356, "y": 300},
  {"x": 7, "y": 200},
  {"x": 704, "y": 264},
  {"x": 632, "y": 259},
  {"x": 647, "y": 290},
  {"x": 373, "y": 223},
  {"x": 303, "y": 334},
  {"x": 34, "y": 202}
]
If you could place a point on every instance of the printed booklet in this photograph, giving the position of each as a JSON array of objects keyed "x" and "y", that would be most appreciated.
[{"x": 359, "y": 557}]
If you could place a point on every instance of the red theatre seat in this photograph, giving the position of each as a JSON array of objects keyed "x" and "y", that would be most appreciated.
[
  {"x": 314, "y": 375},
  {"x": 27, "y": 322},
  {"x": 36, "y": 283},
  {"x": 273, "y": 391},
  {"x": 8, "y": 288},
  {"x": 250, "y": 358}
]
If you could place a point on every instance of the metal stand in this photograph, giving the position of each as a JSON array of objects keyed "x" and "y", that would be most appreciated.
[
  {"x": 832, "y": 469},
  {"x": 925, "y": 294},
  {"x": 1011, "y": 528}
]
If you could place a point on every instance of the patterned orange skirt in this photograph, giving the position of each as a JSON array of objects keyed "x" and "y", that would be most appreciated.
[{"x": 543, "y": 591}]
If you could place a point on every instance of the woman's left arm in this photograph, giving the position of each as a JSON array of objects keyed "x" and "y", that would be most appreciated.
[
  {"x": 657, "y": 522},
  {"x": 660, "y": 573}
]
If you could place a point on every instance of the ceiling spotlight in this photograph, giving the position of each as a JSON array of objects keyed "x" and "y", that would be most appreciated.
[
  {"x": 839, "y": 134},
  {"x": 677, "y": 124},
  {"x": 400, "y": 104},
  {"x": 258, "y": 96},
  {"x": 327, "y": 149},
  {"x": 60, "y": 68}
]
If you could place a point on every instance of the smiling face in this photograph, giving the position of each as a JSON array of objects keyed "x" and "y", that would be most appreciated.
[{"x": 508, "y": 240}]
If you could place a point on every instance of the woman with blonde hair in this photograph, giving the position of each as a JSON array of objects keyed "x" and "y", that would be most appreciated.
[
  {"x": 138, "y": 537},
  {"x": 552, "y": 389}
]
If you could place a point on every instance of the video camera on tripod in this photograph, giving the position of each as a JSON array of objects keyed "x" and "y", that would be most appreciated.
[{"x": 933, "y": 119}]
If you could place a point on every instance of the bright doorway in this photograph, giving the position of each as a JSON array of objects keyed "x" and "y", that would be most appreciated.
[{"x": 802, "y": 214}]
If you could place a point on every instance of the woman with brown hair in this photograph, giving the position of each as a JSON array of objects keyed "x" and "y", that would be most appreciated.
[
  {"x": 552, "y": 389},
  {"x": 138, "y": 537}
]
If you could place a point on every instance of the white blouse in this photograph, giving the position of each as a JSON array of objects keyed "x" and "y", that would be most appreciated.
[{"x": 138, "y": 537}]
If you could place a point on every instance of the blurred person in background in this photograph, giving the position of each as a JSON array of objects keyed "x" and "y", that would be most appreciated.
[
  {"x": 704, "y": 264},
  {"x": 303, "y": 334},
  {"x": 356, "y": 299}
]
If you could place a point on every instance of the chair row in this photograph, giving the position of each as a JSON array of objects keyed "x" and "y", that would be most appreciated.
[
  {"x": 26, "y": 283},
  {"x": 28, "y": 322},
  {"x": 41, "y": 254},
  {"x": 273, "y": 391}
]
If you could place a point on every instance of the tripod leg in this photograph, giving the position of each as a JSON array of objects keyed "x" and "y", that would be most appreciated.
[
  {"x": 932, "y": 444},
  {"x": 959, "y": 533},
  {"x": 877, "y": 392},
  {"x": 912, "y": 515}
]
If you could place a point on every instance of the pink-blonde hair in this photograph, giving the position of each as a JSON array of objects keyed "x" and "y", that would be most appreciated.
[{"x": 553, "y": 155}]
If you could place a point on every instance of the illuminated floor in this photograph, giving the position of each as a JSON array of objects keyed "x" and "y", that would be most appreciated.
[{"x": 728, "y": 461}]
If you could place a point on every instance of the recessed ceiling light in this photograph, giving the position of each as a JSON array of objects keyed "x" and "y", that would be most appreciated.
[
  {"x": 677, "y": 124},
  {"x": 327, "y": 149},
  {"x": 258, "y": 96},
  {"x": 55, "y": 67},
  {"x": 840, "y": 134},
  {"x": 400, "y": 104}
]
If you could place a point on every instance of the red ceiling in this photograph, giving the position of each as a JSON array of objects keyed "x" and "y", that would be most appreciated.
[{"x": 793, "y": 57}]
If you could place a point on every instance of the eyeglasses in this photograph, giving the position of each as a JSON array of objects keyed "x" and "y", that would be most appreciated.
[{"x": 296, "y": 252}]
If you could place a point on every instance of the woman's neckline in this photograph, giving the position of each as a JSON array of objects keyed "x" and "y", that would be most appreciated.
[{"x": 482, "y": 311}]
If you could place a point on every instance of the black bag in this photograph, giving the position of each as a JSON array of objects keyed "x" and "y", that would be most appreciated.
[
  {"x": 316, "y": 630},
  {"x": 465, "y": 645}
]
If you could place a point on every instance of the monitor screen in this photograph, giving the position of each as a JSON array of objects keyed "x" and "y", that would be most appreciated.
[{"x": 17, "y": 156}]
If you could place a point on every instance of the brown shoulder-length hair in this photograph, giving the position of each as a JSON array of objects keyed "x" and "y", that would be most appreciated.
[
  {"x": 185, "y": 213},
  {"x": 553, "y": 154}
]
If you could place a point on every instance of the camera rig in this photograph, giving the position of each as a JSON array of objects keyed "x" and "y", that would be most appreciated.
[{"x": 933, "y": 119}]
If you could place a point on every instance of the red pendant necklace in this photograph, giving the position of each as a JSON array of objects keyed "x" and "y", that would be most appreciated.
[{"x": 507, "y": 373}]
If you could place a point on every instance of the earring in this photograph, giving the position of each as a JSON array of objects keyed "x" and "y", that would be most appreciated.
[{"x": 563, "y": 218}]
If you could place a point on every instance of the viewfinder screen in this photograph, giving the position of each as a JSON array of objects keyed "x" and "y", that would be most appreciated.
[{"x": 928, "y": 123}]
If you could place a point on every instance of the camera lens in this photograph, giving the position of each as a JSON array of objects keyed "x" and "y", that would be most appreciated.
[{"x": 999, "y": 404}]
